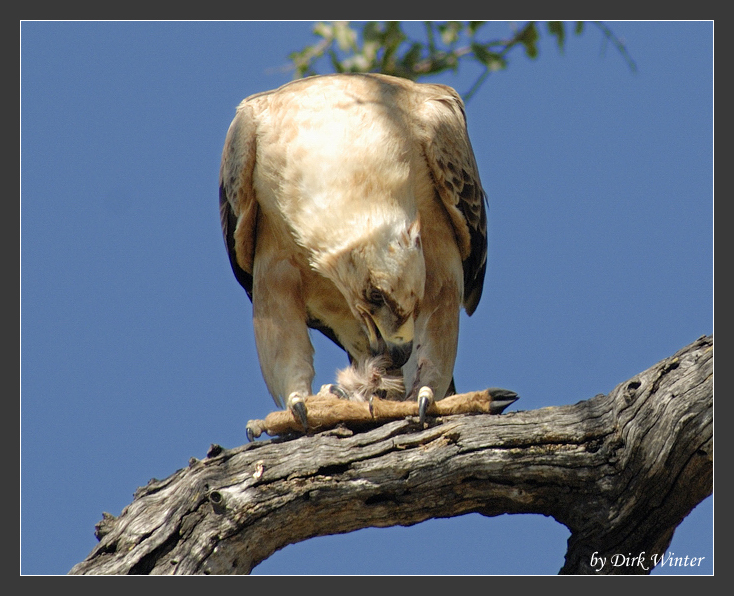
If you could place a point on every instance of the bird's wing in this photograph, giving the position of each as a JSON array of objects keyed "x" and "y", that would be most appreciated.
[
  {"x": 451, "y": 161},
  {"x": 238, "y": 207}
]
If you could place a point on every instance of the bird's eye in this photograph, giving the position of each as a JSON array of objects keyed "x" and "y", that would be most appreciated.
[{"x": 374, "y": 297}]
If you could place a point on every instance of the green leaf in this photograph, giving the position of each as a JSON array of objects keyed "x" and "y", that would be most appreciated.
[
  {"x": 372, "y": 32},
  {"x": 393, "y": 36},
  {"x": 323, "y": 30},
  {"x": 492, "y": 60},
  {"x": 474, "y": 26},
  {"x": 450, "y": 31},
  {"x": 393, "y": 30},
  {"x": 556, "y": 28},
  {"x": 412, "y": 56},
  {"x": 480, "y": 52},
  {"x": 529, "y": 37},
  {"x": 346, "y": 37}
]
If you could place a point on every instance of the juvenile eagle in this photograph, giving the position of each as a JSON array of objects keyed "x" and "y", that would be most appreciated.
[{"x": 352, "y": 204}]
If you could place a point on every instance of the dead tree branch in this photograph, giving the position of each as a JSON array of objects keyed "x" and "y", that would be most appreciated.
[{"x": 621, "y": 471}]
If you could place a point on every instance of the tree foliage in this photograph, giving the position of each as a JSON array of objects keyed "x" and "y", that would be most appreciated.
[{"x": 394, "y": 48}]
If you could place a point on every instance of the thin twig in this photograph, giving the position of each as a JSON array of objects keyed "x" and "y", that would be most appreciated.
[{"x": 621, "y": 48}]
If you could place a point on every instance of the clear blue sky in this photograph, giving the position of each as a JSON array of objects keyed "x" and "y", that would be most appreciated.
[{"x": 137, "y": 349}]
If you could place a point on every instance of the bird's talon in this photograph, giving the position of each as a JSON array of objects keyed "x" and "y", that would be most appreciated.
[
  {"x": 298, "y": 408},
  {"x": 339, "y": 391},
  {"x": 501, "y": 398},
  {"x": 253, "y": 429},
  {"x": 425, "y": 399},
  {"x": 299, "y": 411},
  {"x": 422, "y": 406},
  {"x": 370, "y": 406}
]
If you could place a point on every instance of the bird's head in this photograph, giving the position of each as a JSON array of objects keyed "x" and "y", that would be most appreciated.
[{"x": 382, "y": 276}]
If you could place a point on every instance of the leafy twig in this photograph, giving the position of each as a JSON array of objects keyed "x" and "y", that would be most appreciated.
[{"x": 384, "y": 47}]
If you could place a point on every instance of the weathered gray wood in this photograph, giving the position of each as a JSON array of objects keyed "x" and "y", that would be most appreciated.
[{"x": 621, "y": 471}]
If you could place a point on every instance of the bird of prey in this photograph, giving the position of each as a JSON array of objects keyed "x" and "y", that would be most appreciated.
[{"x": 351, "y": 204}]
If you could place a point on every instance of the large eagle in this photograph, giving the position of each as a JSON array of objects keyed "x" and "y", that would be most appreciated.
[{"x": 352, "y": 204}]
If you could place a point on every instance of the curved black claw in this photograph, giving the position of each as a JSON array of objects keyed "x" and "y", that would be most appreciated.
[
  {"x": 253, "y": 429},
  {"x": 299, "y": 411},
  {"x": 422, "y": 407},
  {"x": 501, "y": 398},
  {"x": 339, "y": 391},
  {"x": 425, "y": 399}
]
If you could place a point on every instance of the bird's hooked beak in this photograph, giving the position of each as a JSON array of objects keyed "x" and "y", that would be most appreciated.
[{"x": 398, "y": 346}]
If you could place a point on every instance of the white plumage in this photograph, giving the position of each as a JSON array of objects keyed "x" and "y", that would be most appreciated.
[{"x": 352, "y": 204}]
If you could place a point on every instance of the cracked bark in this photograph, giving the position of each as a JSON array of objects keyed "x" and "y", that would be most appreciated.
[{"x": 621, "y": 471}]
